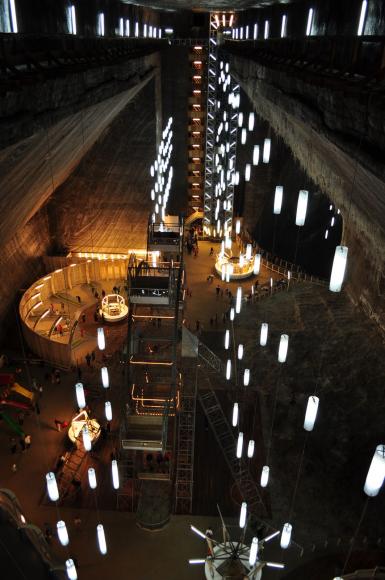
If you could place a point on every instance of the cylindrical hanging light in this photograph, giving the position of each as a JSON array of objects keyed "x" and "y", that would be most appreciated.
[
  {"x": 52, "y": 488},
  {"x": 283, "y": 346},
  {"x": 376, "y": 473},
  {"x": 115, "y": 474},
  {"x": 265, "y": 475},
  {"x": 108, "y": 410},
  {"x": 86, "y": 438},
  {"x": 278, "y": 199},
  {"x": 239, "y": 445},
  {"x": 253, "y": 551},
  {"x": 326, "y": 234},
  {"x": 105, "y": 377},
  {"x": 247, "y": 172},
  {"x": 301, "y": 207},
  {"x": 228, "y": 369},
  {"x": 62, "y": 533},
  {"x": 243, "y": 515},
  {"x": 249, "y": 249},
  {"x": 92, "y": 478},
  {"x": 286, "y": 536},
  {"x": 238, "y": 301},
  {"x": 266, "y": 150},
  {"x": 232, "y": 314},
  {"x": 338, "y": 269},
  {"x": 101, "y": 339},
  {"x": 237, "y": 227},
  {"x": 240, "y": 351},
  {"x": 311, "y": 413},
  {"x": 80, "y": 398},
  {"x": 71, "y": 570},
  {"x": 240, "y": 119},
  {"x": 101, "y": 539},
  {"x": 257, "y": 264},
  {"x": 256, "y": 155},
  {"x": 235, "y": 415},
  {"x": 251, "y": 121},
  {"x": 227, "y": 339},
  {"x": 264, "y": 333},
  {"x": 246, "y": 377},
  {"x": 243, "y": 136},
  {"x": 250, "y": 448}
]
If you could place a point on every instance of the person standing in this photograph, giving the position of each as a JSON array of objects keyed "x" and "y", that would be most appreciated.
[
  {"x": 88, "y": 359},
  {"x": 27, "y": 441}
]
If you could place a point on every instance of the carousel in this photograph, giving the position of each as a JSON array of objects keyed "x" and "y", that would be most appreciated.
[
  {"x": 113, "y": 308},
  {"x": 78, "y": 423},
  {"x": 237, "y": 267}
]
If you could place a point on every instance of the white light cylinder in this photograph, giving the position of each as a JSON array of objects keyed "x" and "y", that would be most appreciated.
[
  {"x": 62, "y": 533},
  {"x": 283, "y": 346},
  {"x": 311, "y": 413},
  {"x": 250, "y": 448},
  {"x": 253, "y": 551},
  {"x": 246, "y": 377},
  {"x": 256, "y": 155},
  {"x": 227, "y": 339},
  {"x": 101, "y": 539},
  {"x": 243, "y": 136},
  {"x": 264, "y": 333},
  {"x": 237, "y": 227},
  {"x": 80, "y": 398},
  {"x": 115, "y": 474},
  {"x": 71, "y": 570},
  {"x": 266, "y": 150},
  {"x": 240, "y": 119},
  {"x": 243, "y": 515},
  {"x": 278, "y": 199},
  {"x": 52, "y": 488},
  {"x": 286, "y": 535},
  {"x": 86, "y": 438},
  {"x": 235, "y": 415},
  {"x": 338, "y": 269},
  {"x": 257, "y": 264},
  {"x": 301, "y": 207},
  {"x": 247, "y": 172},
  {"x": 251, "y": 121},
  {"x": 232, "y": 314},
  {"x": 101, "y": 339},
  {"x": 239, "y": 445},
  {"x": 376, "y": 473},
  {"x": 105, "y": 377},
  {"x": 92, "y": 478},
  {"x": 265, "y": 475},
  {"x": 240, "y": 351},
  {"x": 326, "y": 234},
  {"x": 238, "y": 301},
  {"x": 228, "y": 369},
  {"x": 249, "y": 248},
  {"x": 108, "y": 410}
]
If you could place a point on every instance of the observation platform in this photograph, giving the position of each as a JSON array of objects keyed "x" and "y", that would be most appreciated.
[{"x": 166, "y": 236}]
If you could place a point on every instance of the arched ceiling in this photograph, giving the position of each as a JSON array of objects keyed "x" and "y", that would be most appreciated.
[{"x": 206, "y": 5}]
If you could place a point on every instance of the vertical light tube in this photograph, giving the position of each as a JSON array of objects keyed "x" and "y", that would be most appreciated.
[
  {"x": 73, "y": 20},
  {"x": 311, "y": 413},
  {"x": 238, "y": 301},
  {"x": 301, "y": 207},
  {"x": 253, "y": 551},
  {"x": 309, "y": 22},
  {"x": 247, "y": 172},
  {"x": 283, "y": 346},
  {"x": 105, "y": 377},
  {"x": 237, "y": 227},
  {"x": 92, "y": 478},
  {"x": 228, "y": 369},
  {"x": 62, "y": 533},
  {"x": 108, "y": 410},
  {"x": 240, "y": 119},
  {"x": 232, "y": 314},
  {"x": 52, "y": 488},
  {"x": 127, "y": 27},
  {"x": 240, "y": 351},
  {"x": 286, "y": 536},
  {"x": 80, "y": 398},
  {"x": 136, "y": 29},
  {"x": 246, "y": 377},
  {"x": 266, "y": 31},
  {"x": 250, "y": 448},
  {"x": 101, "y": 339},
  {"x": 13, "y": 16},
  {"x": 251, "y": 121},
  {"x": 264, "y": 333},
  {"x": 278, "y": 199},
  {"x": 101, "y": 24},
  {"x": 283, "y": 26},
  {"x": 239, "y": 445},
  {"x": 86, "y": 438},
  {"x": 249, "y": 248},
  {"x": 101, "y": 539},
  {"x": 257, "y": 264},
  {"x": 243, "y": 136},
  {"x": 115, "y": 474},
  {"x": 235, "y": 415},
  {"x": 255, "y": 36},
  {"x": 256, "y": 155},
  {"x": 121, "y": 27},
  {"x": 338, "y": 269},
  {"x": 376, "y": 474},
  {"x": 243, "y": 515},
  {"x": 71, "y": 570},
  {"x": 266, "y": 150},
  {"x": 361, "y": 23},
  {"x": 265, "y": 475},
  {"x": 227, "y": 339}
]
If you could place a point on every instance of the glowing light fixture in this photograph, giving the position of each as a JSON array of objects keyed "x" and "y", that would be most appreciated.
[
  {"x": 265, "y": 475},
  {"x": 227, "y": 339},
  {"x": 105, "y": 377},
  {"x": 235, "y": 415},
  {"x": 301, "y": 207},
  {"x": 256, "y": 155},
  {"x": 239, "y": 445},
  {"x": 62, "y": 533},
  {"x": 309, "y": 22},
  {"x": 266, "y": 150},
  {"x": 101, "y": 539},
  {"x": 92, "y": 478},
  {"x": 243, "y": 515},
  {"x": 14, "y": 16},
  {"x": 237, "y": 227},
  {"x": 361, "y": 23},
  {"x": 250, "y": 448},
  {"x": 101, "y": 339},
  {"x": 101, "y": 24},
  {"x": 247, "y": 172},
  {"x": 240, "y": 351},
  {"x": 286, "y": 536},
  {"x": 338, "y": 268},
  {"x": 257, "y": 264},
  {"x": 283, "y": 346},
  {"x": 278, "y": 199},
  {"x": 86, "y": 438},
  {"x": 266, "y": 30},
  {"x": 108, "y": 410},
  {"x": 246, "y": 377},
  {"x": 115, "y": 474},
  {"x": 311, "y": 413},
  {"x": 283, "y": 26},
  {"x": 52, "y": 488},
  {"x": 80, "y": 398},
  {"x": 232, "y": 314},
  {"x": 243, "y": 136},
  {"x": 264, "y": 333},
  {"x": 376, "y": 474},
  {"x": 251, "y": 121},
  {"x": 238, "y": 301},
  {"x": 228, "y": 369},
  {"x": 253, "y": 551},
  {"x": 71, "y": 570},
  {"x": 240, "y": 119}
]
